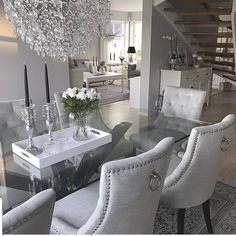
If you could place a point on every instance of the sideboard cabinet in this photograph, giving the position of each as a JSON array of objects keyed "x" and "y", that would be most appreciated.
[{"x": 200, "y": 78}]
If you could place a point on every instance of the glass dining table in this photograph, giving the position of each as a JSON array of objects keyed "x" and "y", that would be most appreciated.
[{"x": 19, "y": 180}]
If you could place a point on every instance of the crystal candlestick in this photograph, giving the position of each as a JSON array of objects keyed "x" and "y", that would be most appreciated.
[
  {"x": 49, "y": 111},
  {"x": 29, "y": 117}
]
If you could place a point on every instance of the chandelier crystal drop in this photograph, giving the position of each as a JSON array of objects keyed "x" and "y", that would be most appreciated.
[{"x": 58, "y": 28}]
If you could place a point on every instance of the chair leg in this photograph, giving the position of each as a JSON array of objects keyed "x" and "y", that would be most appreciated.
[
  {"x": 207, "y": 216},
  {"x": 180, "y": 220}
]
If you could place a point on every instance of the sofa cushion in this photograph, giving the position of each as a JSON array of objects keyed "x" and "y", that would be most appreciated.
[
  {"x": 134, "y": 73},
  {"x": 132, "y": 67}
]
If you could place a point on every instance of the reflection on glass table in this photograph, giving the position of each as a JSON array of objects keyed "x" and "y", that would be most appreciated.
[{"x": 21, "y": 180}]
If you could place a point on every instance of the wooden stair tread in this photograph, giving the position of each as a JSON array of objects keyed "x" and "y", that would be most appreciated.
[
  {"x": 213, "y": 45},
  {"x": 209, "y": 34},
  {"x": 230, "y": 77},
  {"x": 224, "y": 70},
  {"x": 222, "y": 63},
  {"x": 217, "y": 54},
  {"x": 200, "y": 11},
  {"x": 204, "y": 23}
]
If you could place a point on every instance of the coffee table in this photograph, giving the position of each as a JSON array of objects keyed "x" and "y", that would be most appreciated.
[{"x": 89, "y": 78}]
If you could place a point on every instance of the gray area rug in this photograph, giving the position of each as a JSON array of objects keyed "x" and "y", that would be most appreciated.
[
  {"x": 223, "y": 215},
  {"x": 112, "y": 94}
]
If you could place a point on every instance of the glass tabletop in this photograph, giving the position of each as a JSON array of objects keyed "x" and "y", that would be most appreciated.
[{"x": 20, "y": 180}]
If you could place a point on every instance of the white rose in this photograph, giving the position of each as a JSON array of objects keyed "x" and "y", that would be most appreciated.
[
  {"x": 64, "y": 95},
  {"x": 81, "y": 96},
  {"x": 89, "y": 95},
  {"x": 83, "y": 90},
  {"x": 71, "y": 92}
]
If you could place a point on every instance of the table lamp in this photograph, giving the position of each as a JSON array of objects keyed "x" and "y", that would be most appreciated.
[{"x": 131, "y": 50}]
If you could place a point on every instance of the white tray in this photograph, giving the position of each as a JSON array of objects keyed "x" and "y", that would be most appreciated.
[{"x": 65, "y": 148}]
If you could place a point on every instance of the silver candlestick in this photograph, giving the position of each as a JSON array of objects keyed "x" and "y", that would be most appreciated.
[
  {"x": 49, "y": 111},
  {"x": 29, "y": 117}
]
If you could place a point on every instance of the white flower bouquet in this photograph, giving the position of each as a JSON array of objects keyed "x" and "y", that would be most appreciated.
[{"x": 79, "y": 101}]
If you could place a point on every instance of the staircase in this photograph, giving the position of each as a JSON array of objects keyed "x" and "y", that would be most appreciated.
[{"x": 210, "y": 32}]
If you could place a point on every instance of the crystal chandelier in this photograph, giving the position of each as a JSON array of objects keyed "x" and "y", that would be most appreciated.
[{"x": 58, "y": 28}]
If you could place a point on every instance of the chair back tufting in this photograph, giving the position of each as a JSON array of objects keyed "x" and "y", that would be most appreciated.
[
  {"x": 184, "y": 103},
  {"x": 10, "y": 114},
  {"x": 194, "y": 179},
  {"x": 129, "y": 193},
  {"x": 32, "y": 217}
]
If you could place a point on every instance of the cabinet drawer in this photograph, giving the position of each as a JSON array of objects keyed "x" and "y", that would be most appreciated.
[{"x": 190, "y": 83}]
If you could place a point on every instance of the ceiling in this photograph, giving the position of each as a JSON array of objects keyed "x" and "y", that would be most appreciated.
[{"x": 127, "y": 5}]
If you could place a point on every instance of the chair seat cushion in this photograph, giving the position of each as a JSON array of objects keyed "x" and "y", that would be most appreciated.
[
  {"x": 149, "y": 139},
  {"x": 73, "y": 211}
]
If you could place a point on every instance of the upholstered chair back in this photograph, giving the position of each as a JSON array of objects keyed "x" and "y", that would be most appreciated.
[
  {"x": 129, "y": 193},
  {"x": 185, "y": 103},
  {"x": 194, "y": 179},
  {"x": 10, "y": 114},
  {"x": 59, "y": 103},
  {"x": 32, "y": 217}
]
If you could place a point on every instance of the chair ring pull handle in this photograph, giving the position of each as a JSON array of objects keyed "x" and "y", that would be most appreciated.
[
  {"x": 224, "y": 144},
  {"x": 155, "y": 181}
]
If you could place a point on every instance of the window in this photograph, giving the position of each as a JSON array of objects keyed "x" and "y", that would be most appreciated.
[
  {"x": 116, "y": 47},
  {"x": 138, "y": 38}
]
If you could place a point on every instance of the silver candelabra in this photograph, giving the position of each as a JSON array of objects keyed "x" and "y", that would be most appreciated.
[
  {"x": 29, "y": 117},
  {"x": 49, "y": 111}
]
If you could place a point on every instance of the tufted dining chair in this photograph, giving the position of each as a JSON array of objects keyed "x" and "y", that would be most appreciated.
[
  {"x": 124, "y": 202},
  {"x": 180, "y": 106},
  {"x": 184, "y": 103},
  {"x": 191, "y": 180},
  {"x": 31, "y": 217},
  {"x": 11, "y": 125}
]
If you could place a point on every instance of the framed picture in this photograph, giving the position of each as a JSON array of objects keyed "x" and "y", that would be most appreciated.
[{"x": 182, "y": 55}]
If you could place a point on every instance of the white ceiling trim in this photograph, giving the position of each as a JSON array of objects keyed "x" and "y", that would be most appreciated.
[{"x": 127, "y": 5}]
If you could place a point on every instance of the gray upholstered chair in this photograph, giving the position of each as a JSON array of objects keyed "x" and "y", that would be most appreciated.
[
  {"x": 179, "y": 105},
  {"x": 191, "y": 180},
  {"x": 123, "y": 146},
  {"x": 11, "y": 125},
  {"x": 184, "y": 103},
  {"x": 32, "y": 217},
  {"x": 125, "y": 200}
]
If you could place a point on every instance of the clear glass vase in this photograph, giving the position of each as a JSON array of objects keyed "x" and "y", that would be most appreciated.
[{"x": 80, "y": 131}]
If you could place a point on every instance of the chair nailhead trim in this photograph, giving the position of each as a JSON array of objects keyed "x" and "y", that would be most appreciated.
[
  {"x": 117, "y": 170},
  {"x": 192, "y": 154}
]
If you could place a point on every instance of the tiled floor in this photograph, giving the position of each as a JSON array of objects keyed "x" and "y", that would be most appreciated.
[{"x": 221, "y": 105}]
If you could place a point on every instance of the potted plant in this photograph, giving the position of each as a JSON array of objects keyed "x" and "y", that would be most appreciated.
[{"x": 173, "y": 54}]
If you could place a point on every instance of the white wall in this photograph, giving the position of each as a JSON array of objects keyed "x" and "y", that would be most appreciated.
[
  {"x": 154, "y": 55},
  {"x": 13, "y": 53}
]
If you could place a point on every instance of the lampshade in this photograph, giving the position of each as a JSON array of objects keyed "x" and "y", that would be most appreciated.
[{"x": 131, "y": 50}]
